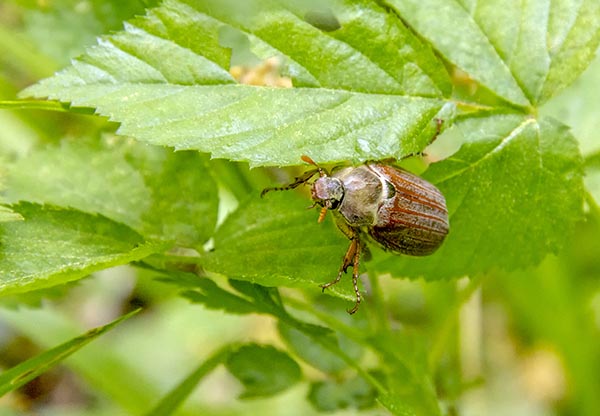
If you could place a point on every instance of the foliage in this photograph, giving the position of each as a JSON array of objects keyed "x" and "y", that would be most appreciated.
[{"x": 195, "y": 91}]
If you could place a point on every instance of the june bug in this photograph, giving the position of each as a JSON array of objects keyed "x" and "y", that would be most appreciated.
[{"x": 400, "y": 211}]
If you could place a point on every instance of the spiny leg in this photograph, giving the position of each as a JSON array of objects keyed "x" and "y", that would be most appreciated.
[
  {"x": 351, "y": 258},
  {"x": 347, "y": 262},
  {"x": 305, "y": 177},
  {"x": 355, "y": 264}
]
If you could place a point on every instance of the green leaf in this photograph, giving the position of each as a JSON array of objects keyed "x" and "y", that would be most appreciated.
[
  {"x": 184, "y": 194},
  {"x": 578, "y": 107},
  {"x": 74, "y": 26},
  {"x": 54, "y": 246},
  {"x": 574, "y": 29},
  {"x": 213, "y": 297},
  {"x": 395, "y": 405},
  {"x": 159, "y": 193},
  {"x": 263, "y": 370},
  {"x": 353, "y": 393},
  {"x": 165, "y": 80},
  {"x": 316, "y": 354},
  {"x": 275, "y": 241},
  {"x": 7, "y": 214},
  {"x": 514, "y": 193},
  {"x": 524, "y": 53},
  {"x": 33, "y": 367}
]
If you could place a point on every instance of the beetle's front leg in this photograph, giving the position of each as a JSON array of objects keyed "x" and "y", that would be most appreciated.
[{"x": 302, "y": 179}]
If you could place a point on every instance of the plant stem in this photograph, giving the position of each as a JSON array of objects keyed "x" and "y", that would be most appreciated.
[{"x": 439, "y": 344}]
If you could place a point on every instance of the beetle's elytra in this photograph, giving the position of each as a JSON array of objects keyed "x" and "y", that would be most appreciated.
[{"x": 400, "y": 211}]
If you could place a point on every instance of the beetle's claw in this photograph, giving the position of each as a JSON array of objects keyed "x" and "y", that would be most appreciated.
[{"x": 354, "y": 308}]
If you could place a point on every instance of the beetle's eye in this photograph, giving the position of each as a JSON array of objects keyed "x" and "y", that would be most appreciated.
[{"x": 333, "y": 203}]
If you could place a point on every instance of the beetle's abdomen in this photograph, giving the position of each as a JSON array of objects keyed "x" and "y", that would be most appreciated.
[{"x": 412, "y": 220}]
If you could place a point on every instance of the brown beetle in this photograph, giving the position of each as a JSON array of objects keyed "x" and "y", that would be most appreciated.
[{"x": 400, "y": 211}]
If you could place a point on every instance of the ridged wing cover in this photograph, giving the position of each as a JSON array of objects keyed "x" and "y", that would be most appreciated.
[{"x": 412, "y": 219}]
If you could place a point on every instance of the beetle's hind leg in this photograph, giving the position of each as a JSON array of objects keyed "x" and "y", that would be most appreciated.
[{"x": 351, "y": 258}]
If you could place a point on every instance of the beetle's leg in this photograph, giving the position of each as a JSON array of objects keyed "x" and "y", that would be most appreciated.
[
  {"x": 349, "y": 258},
  {"x": 305, "y": 177},
  {"x": 355, "y": 264},
  {"x": 350, "y": 232}
]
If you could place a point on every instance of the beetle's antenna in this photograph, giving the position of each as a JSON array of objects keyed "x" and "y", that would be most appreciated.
[
  {"x": 302, "y": 179},
  {"x": 308, "y": 160}
]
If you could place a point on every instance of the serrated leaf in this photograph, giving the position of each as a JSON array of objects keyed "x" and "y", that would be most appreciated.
[
  {"x": 263, "y": 370},
  {"x": 514, "y": 193},
  {"x": 53, "y": 246},
  {"x": 366, "y": 48},
  {"x": 373, "y": 97},
  {"x": 26, "y": 371},
  {"x": 525, "y": 52},
  {"x": 213, "y": 297},
  {"x": 159, "y": 193},
  {"x": 275, "y": 241}
]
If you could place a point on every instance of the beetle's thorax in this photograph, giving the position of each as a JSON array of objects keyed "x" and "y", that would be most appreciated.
[{"x": 363, "y": 194}]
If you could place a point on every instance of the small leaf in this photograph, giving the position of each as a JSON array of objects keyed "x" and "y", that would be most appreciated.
[
  {"x": 54, "y": 246},
  {"x": 33, "y": 367},
  {"x": 514, "y": 194},
  {"x": 263, "y": 370},
  {"x": 353, "y": 393}
]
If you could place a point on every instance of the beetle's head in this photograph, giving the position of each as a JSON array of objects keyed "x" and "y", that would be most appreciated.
[{"x": 328, "y": 192}]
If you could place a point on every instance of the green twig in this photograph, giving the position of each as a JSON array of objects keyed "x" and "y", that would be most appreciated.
[{"x": 175, "y": 397}]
